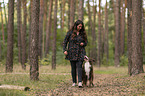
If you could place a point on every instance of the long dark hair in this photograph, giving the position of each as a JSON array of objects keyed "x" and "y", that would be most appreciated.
[{"x": 82, "y": 31}]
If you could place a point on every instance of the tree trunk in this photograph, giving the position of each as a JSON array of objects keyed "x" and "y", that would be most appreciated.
[
  {"x": 106, "y": 45},
  {"x": 117, "y": 33},
  {"x": 136, "y": 57},
  {"x": 81, "y": 10},
  {"x": 41, "y": 27},
  {"x": 94, "y": 53},
  {"x": 45, "y": 26},
  {"x": 143, "y": 24},
  {"x": 113, "y": 35},
  {"x": 34, "y": 68},
  {"x": 72, "y": 12},
  {"x": 68, "y": 14},
  {"x": 23, "y": 35},
  {"x": 90, "y": 50},
  {"x": 45, "y": 13},
  {"x": 77, "y": 11},
  {"x": 5, "y": 15},
  {"x": 129, "y": 42},
  {"x": 12, "y": 87},
  {"x": 3, "y": 33},
  {"x": 9, "y": 61},
  {"x": 122, "y": 29},
  {"x": 19, "y": 24},
  {"x": 0, "y": 49},
  {"x": 99, "y": 37},
  {"x": 48, "y": 29},
  {"x": 30, "y": 20},
  {"x": 54, "y": 37},
  {"x": 63, "y": 12},
  {"x": 61, "y": 6}
]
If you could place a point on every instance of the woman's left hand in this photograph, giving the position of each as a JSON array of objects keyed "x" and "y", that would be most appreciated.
[{"x": 81, "y": 44}]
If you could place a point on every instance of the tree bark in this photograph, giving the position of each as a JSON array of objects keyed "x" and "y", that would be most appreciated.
[
  {"x": 77, "y": 11},
  {"x": 90, "y": 49},
  {"x": 9, "y": 61},
  {"x": 5, "y": 15},
  {"x": 122, "y": 29},
  {"x": 14, "y": 87},
  {"x": 30, "y": 20},
  {"x": 99, "y": 37},
  {"x": 81, "y": 10},
  {"x": 54, "y": 37},
  {"x": 3, "y": 33},
  {"x": 68, "y": 12},
  {"x": 94, "y": 53},
  {"x": 72, "y": 12},
  {"x": 136, "y": 57},
  {"x": 143, "y": 24},
  {"x": 23, "y": 35},
  {"x": 129, "y": 36},
  {"x": 63, "y": 12},
  {"x": 34, "y": 68},
  {"x": 19, "y": 25},
  {"x": 41, "y": 27},
  {"x": 45, "y": 14},
  {"x": 45, "y": 26},
  {"x": 106, "y": 42},
  {"x": 0, "y": 49},
  {"x": 48, "y": 29},
  {"x": 117, "y": 34}
]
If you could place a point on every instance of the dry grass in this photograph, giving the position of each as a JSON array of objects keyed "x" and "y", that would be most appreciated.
[{"x": 107, "y": 80}]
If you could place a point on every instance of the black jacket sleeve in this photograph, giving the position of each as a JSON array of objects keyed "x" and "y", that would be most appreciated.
[{"x": 66, "y": 40}]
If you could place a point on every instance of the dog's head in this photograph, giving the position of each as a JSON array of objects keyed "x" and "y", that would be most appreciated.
[{"x": 87, "y": 59}]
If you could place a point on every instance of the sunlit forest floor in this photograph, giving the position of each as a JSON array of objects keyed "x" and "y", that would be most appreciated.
[{"x": 107, "y": 81}]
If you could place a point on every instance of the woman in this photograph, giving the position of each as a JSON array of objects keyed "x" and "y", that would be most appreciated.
[{"x": 74, "y": 49}]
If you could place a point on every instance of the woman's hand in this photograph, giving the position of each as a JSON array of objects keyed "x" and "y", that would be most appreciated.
[
  {"x": 65, "y": 52},
  {"x": 81, "y": 44}
]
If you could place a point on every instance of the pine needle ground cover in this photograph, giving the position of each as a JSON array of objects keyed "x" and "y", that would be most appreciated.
[{"x": 107, "y": 81}]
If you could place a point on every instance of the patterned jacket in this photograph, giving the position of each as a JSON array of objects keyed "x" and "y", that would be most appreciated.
[{"x": 73, "y": 47}]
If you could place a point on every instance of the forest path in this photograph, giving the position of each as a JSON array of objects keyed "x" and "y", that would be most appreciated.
[
  {"x": 105, "y": 85},
  {"x": 14, "y": 73}
]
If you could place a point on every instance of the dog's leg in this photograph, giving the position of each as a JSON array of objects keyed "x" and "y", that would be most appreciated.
[
  {"x": 92, "y": 79},
  {"x": 91, "y": 82},
  {"x": 85, "y": 81}
]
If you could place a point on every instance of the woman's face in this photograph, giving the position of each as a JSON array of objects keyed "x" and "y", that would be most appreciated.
[{"x": 79, "y": 27}]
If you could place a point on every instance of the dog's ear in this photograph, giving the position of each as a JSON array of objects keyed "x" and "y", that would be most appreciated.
[{"x": 92, "y": 60}]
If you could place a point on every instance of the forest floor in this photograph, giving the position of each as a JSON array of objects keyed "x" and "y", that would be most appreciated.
[
  {"x": 108, "y": 81},
  {"x": 104, "y": 85}
]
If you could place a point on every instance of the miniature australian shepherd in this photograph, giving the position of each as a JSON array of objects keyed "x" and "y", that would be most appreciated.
[{"x": 87, "y": 73}]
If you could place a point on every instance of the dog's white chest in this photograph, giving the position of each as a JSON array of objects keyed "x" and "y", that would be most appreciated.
[{"x": 87, "y": 68}]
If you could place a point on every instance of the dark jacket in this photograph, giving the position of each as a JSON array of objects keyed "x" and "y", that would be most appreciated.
[{"x": 73, "y": 47}]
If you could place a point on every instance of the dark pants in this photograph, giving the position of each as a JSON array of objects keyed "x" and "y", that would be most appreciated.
[{"x": 76, "y": 66}]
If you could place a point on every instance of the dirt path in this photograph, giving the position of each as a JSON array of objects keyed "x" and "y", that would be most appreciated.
[{"x": 106, "y": 85}]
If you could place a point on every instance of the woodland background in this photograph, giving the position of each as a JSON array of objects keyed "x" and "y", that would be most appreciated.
[{"x": 32, "y": 32}]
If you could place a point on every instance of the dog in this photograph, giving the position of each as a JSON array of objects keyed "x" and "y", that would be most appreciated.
[{"x": 87, "y": 73}]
